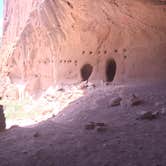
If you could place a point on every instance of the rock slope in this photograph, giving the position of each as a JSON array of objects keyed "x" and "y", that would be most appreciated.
[{"x": 68, "y": 139}]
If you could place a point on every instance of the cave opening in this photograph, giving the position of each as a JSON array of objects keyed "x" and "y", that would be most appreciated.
[
  {"x": 110, "y": 70},
  {"x": 86, "y": 72}
]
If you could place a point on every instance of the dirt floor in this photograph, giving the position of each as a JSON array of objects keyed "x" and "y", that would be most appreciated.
[{"x": 102, "y": 128}]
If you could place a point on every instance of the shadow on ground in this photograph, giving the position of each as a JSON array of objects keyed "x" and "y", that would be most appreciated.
[{"x": 64, "y": 141}]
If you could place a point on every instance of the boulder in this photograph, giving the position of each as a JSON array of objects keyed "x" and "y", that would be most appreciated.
[
  {"x": 115, "y": 102},
  {"x": 135, "y": 101},
  {"x": 148, "y": 115}
]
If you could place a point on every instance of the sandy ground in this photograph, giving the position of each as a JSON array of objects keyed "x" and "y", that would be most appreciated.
[{"x": 65, "y": 140}]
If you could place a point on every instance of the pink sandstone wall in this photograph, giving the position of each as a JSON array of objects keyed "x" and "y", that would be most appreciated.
[{"x": 48, "y": 41}]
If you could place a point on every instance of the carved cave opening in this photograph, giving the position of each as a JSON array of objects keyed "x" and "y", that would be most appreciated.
[
  {"x": 110, "y": 70},
  {"x": 86, "y": 71}
]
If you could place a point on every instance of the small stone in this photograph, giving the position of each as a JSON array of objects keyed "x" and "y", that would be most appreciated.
[
  {"x": 36, "y": 135},
  {"x": 100, "y": 124},
  {"x": 148, "y": 116},
  {"x": 24, "y": 152},
  {"x": 115, "y": 102},
  {"x": 90, "y": 126},
  {"x": 135, "y": 101}
]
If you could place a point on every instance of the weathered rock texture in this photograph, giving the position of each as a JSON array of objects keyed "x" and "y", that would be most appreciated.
[
  {"x": 50, "y": 41},
  {"x": 2, "y": 119}
]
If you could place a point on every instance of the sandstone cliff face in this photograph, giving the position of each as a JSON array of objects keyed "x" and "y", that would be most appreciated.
[{"x": 52, "y": 41}]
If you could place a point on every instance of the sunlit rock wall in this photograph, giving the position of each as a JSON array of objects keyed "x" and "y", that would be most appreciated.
[{"x": 49, "y": 41}]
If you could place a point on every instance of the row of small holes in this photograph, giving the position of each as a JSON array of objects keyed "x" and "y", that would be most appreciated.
[
  {"x": 105, "y": 52},
  {"x": 68, "y": 61},
  {"x": 61, "y": 61},
  {"x": 83, "y": 52}
]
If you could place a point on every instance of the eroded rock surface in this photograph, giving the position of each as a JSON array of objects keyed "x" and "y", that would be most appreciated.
[{"x": 50, "y": 41}]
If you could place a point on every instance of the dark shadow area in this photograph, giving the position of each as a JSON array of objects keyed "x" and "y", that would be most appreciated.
[
  {"x": 64, "y": 140},
  {"x": 86, "y": 72},
  {"x": 110, "y": 70},
  {"x": 2, "y": 119}
]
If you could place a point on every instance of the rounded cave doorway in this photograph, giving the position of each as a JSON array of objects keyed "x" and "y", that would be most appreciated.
[
  {"x": 110, "y": 70},
  {"x": 86, "y": 72}
]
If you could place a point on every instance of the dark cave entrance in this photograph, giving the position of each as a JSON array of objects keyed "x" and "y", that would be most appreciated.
[
  {"x": 86, "y": 72},
  {"x": 110, "y": 70}
]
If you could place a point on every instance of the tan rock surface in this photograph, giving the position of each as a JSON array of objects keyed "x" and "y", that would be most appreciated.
[{"x": 50, "y": 41}]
